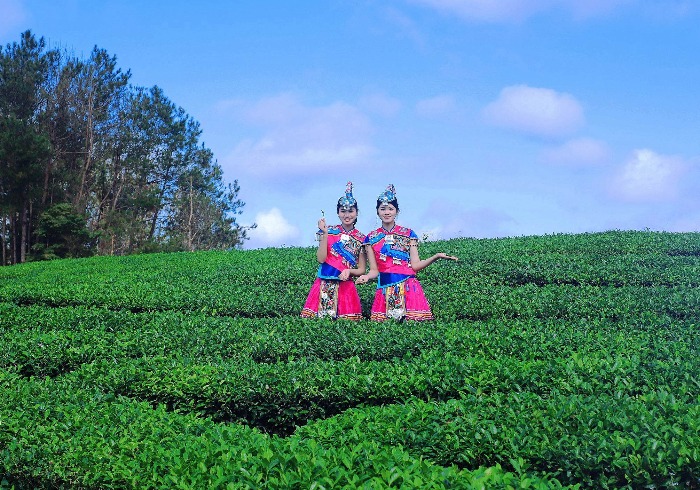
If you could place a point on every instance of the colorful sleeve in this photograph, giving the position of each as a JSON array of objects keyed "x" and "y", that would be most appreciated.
[{"x": 413, "y": 235}]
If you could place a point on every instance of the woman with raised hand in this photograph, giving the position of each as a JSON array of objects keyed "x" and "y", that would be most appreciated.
[
  {"x": 341, "y": 255},
  {"x": 394, "y": 259}
]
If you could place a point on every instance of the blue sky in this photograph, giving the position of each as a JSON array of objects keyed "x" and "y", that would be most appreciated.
[{"x": 491, "y": 117}]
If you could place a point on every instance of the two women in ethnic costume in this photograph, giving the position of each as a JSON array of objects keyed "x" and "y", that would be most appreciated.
[{"x": 391, "y": 251}]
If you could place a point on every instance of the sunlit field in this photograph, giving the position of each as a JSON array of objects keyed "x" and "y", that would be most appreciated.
[{"x": 553, "y": 361}]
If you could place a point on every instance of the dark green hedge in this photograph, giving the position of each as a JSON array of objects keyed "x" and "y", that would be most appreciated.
[{"x": 561, "y": 358}]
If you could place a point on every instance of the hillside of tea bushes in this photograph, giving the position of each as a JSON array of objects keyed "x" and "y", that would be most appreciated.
[{"x": 559, "y": 361}]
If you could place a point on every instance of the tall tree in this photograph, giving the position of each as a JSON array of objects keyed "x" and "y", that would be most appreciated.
[
  {"x": 24, "y": 150},
  {"x": 78, "y": 144},
  {"x": 22, "y": 153},
  {"x": 203, "y": 213},
  {"x": 97, "y": 87}
]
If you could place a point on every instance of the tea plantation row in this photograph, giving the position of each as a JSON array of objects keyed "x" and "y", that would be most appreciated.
[
  {"x": 564, "y": 360},
  {"x": 269, "y": 283}
]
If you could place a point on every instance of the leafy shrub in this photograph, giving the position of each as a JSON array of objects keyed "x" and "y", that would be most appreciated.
[{"x": 558, "y": 360}]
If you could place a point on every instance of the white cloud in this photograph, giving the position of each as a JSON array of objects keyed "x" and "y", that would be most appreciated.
[
  {"x": 580, "y": 151},
  {"x": 407, "y": 26},
  {"x": 301, "y": 141},
  {"x": 485, "y": 10},
  {"x": 380, "y": 104},
  {"x": 648, "y": 176},
  {"x": 535, "y": 111},
  {"x": 583, "y": 9},
  {"x": 273, "y": 230},
  {"x": 435, "y": 106},
  {"x": 670, "y": 9},
  {"x": 517, "y": 10},
  {"x": 12, "y": 14}
]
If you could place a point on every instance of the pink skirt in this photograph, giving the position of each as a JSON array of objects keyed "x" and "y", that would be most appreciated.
[
  {"x": 403, "y": 300},
  {"x": 336, "y": 299}
]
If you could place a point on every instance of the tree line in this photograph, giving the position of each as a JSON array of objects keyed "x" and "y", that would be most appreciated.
[{"x": 90, "y": 164}]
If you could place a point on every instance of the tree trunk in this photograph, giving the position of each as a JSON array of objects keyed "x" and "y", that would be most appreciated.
[
  {"x": 24, "y": 234},
  {"x": 156, "y": 212},
  {"x": 47, "y": 178},
  {"x": 89, "y": 138},
  {"x": 189, "y": 221},
  {"x": 3, "y": 239},
  {"x": 14, "y": 249}
]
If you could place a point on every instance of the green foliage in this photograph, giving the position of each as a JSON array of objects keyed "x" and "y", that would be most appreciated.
[
  {"x": 555, "y": 361},
  {"x": 22, "y": 151},
  {"x": 62, "y": 233},
  {"x": 95, "y": 164}
]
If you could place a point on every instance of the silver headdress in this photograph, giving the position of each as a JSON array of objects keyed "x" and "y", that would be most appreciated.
[
  {"x": 388, "y": 195},
  {"x": 347, "y": 201}
]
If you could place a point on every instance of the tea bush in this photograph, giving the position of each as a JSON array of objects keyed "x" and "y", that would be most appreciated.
[{"x": 554, "y": 361}]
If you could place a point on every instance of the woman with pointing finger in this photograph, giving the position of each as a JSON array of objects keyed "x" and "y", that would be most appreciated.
[{"x": 341, "y": 256}]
